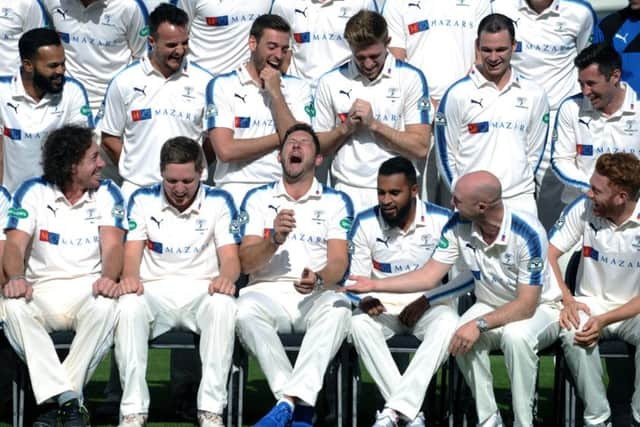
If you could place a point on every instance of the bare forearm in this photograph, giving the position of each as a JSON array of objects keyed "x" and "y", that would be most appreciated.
[
  {"x": 244, "y": 150},
  {"x": 112, "y": 146},
  {"x": 13, "y": 261},
  {"x": 282, "y": 116},
  {"x": 230, "y": 267},
  {"x": 510, "y": 312},
  {"x": 624, "y": 312},
  {"x": 411, "y": 144},
  {"x": 332, "y": 140},
  {"x": 333, "y": 273},
  {"x": 112, "y": 257},
  {"x": 553, "y": 254},
  {"x": 255, "y": 256},
  {"x": 423, "y": 279}
]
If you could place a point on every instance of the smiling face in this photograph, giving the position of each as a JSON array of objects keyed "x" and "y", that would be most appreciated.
[
  {"x": 495, "y": 51},
  {"x": 86, "y": 173},
  {"x": 270, "y": 50},
  {"x": 595, "y": 86},
  {"x": 396, "y": 198},
  {"x": 47, "y": 68},
  {"x": 180, "y": 182},
  {"x": 370, "y": 59},
  {"x": 298, "y": 156},
  {"x": 605, "y": 197},
  {"x": 169, "y": 46}
]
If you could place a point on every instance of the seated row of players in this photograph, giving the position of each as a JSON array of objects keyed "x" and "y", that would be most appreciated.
[{"x": 67, "y": 229}]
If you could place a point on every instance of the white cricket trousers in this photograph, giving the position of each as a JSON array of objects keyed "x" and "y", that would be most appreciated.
[
  {"x": 404, "y": 393},
  {"x": 266, "y": 309},
  {"x": 586, "y": 367},
  {"x": 167, "y": 304},
  {"x": 520, "y": 342},
  {"x": 60, "y": 305}
]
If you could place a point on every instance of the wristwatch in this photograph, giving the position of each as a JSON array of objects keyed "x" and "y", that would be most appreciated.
[
  {"x": 319, "y": 283},
  {"x": 482, "y": 325}
]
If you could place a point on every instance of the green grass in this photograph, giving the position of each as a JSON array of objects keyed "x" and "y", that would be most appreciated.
[{"x": 258, "y": 398}]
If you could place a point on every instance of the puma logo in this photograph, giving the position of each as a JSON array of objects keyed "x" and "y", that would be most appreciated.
[
  {"x": 584, "y": 122},
  {"x": 15, "y": 107},
  {"x": 52, "y": 209},
  {"x": 242, "y": 98},
  {"x": 479, "y": 102},
  {"x": 346, "y": 93},
  {"x": 302, "y": 12},
  {"x": 384, "y": 242},
  {"x": 417, "y": 4},
  {"x": 275, "y": 208},
  {"x": 154, "y": 219},
  {"x": 621, "y": 37},
  {"x": 61, "y": 12},
  {"x": 142, "y": 91}
]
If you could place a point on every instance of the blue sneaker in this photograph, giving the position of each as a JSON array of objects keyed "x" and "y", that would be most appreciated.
[
  {"x": 279, "y": 416},
  {"x": 302, "y": 416}
]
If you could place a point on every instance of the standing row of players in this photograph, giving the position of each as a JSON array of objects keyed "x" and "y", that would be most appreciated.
[
  {"x": 69, "y": 266},
  {"x": 365, "y": 110}
]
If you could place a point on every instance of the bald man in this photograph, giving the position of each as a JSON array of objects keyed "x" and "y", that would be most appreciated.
[{"x": 517, "y": 306}]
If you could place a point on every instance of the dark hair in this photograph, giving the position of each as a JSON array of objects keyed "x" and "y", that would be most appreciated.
[
  {"x": 495, "y": 23},
  {"x": 64, "y": 148},
  {"x": 603, "y": 54},
  {"x": 622, "y": 170},
  {"x": 182, "y": 150},
  {"x": 366, "y": 28},
  {"x": 166, "y": 12},
  {"x": 401, "y": 165},
  {"x": 271, "y": 22},
  {"x": 33, "y": 40},
  {"x": 304, "y": 128}
]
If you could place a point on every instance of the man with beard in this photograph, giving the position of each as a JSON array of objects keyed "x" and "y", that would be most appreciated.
[
  {"x": 181, "y": 264},
  {"x": 63, "y": 257},
  {"x": 516, "y": 307},
  {"x": 156, "y": 98},
  {"x": 371, "y": 108},
  {"x": 35, "y": 101},
  {"x": 249, "y": 109},
  {"x": 396, "y": 236},
  {"x": 606, "y": 301},
  {"x": 294, "y": 248}
]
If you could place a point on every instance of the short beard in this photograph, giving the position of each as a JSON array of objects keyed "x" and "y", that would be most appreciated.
[
  {"x": 44, "y": 83},
  {"x": 402, "y": 216}
]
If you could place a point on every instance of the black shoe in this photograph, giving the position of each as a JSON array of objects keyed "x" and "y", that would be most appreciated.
[
  {"x": 47, "y": 415},
  {"x": 71, "y": 414}
]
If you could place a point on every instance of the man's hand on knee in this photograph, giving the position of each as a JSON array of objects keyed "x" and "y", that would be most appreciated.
[{"x": 17, "y": 288}]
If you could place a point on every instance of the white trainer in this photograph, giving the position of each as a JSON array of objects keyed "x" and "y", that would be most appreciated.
[
  {"x": 209, "y": 419},
  {"x": 418, "y": 421},
  {"x": 387, "y": 418},
  {"x": 133, "y": 420}
]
